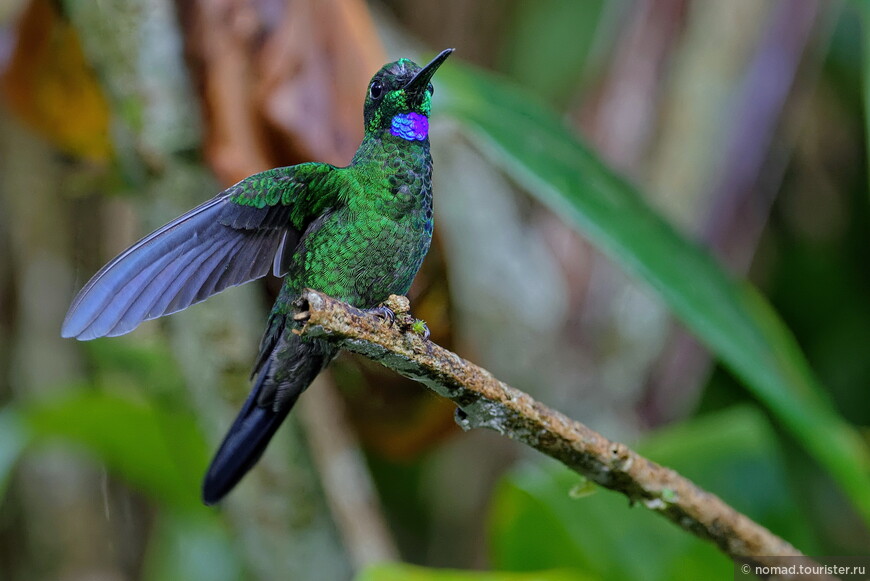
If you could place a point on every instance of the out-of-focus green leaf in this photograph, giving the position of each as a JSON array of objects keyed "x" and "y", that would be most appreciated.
[
  {"x": 736, "y": 453},
  {"x": 730, "y": 317},
  {"x": 160, "y": 452},
  {"x": 191, "y": 548},
  {"x": 401, "y": 572},
  {"x": 535, "y": 51},
  {"x": 598, "y": 534},
  {"x": 13, "y": 439},
  {"x": 536, "y": 523},
  {"x": 526, "y": 534}
]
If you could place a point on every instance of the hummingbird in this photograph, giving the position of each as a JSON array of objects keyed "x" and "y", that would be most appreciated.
[{"x": 358, "y": 233}]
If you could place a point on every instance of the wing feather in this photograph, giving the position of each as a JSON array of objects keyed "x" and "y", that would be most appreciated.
[
  {"x": 229, "y": 240},
  {"x": 182, "y": 263}
]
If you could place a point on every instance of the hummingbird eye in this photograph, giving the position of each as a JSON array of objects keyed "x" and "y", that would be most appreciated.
[{"x": 376, "y": 90}]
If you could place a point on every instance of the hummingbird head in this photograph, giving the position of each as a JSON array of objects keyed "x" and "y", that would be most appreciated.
[{"x": 399, "y": 98}]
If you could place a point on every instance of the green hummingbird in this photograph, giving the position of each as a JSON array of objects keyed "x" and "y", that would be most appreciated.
[{"x": 358, "y": 233}]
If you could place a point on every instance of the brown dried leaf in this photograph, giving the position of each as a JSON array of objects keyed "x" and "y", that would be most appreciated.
[
  {"x": 49, "y": 84},
  {"x": 316, "y": 68},
  {"x": 281, "y": 82}
]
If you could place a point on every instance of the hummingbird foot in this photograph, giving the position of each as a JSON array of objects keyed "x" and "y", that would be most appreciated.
[
  {"x": 401, "y": 308},
  {"x": 384, "y": 313}
]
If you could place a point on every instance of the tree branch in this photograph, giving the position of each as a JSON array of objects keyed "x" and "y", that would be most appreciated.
[{"x": 486, "y": 402}]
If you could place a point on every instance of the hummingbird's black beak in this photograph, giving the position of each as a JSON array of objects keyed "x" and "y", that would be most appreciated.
[{"x": 417, "y": 85}]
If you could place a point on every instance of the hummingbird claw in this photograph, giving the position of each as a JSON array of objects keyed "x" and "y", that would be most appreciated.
[
  {"x": 384, "y": 313},
  {"x": 397, "y": 310}
]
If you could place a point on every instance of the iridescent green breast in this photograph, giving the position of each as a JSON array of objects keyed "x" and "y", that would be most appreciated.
[{"x": 374, "y": 243}]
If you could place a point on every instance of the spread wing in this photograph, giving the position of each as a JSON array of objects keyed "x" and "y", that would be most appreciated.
[{"x": 229, "y": 240}]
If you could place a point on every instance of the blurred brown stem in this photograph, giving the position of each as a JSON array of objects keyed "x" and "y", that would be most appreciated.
[
  {"x": 484, "y": 401},
  {"x": 344, "y": 476}
]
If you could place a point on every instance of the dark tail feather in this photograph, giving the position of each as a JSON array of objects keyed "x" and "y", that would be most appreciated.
[{"x": 243, "y": 444}]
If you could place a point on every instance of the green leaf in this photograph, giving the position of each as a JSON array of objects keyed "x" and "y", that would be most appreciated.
[
  {"x": 598, "y": 534},
  {"x": 536, "y": 523},
  {"x": 160, "y": 452},
  {"x": 401, "y": 572},
  {"x": 534, "y": 49},
  {"x": 734, "y": 321},
  {"x": 736, "y": 453}
]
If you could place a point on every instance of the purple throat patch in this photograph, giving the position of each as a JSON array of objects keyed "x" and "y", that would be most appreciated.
[{"x": 410, "y": 126}]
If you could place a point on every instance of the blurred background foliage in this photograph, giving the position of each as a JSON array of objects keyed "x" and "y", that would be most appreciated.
[{"x": 651, "y": 215}]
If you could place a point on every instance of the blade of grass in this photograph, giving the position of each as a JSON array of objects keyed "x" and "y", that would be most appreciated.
[{"x": 730, "y": 317}]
